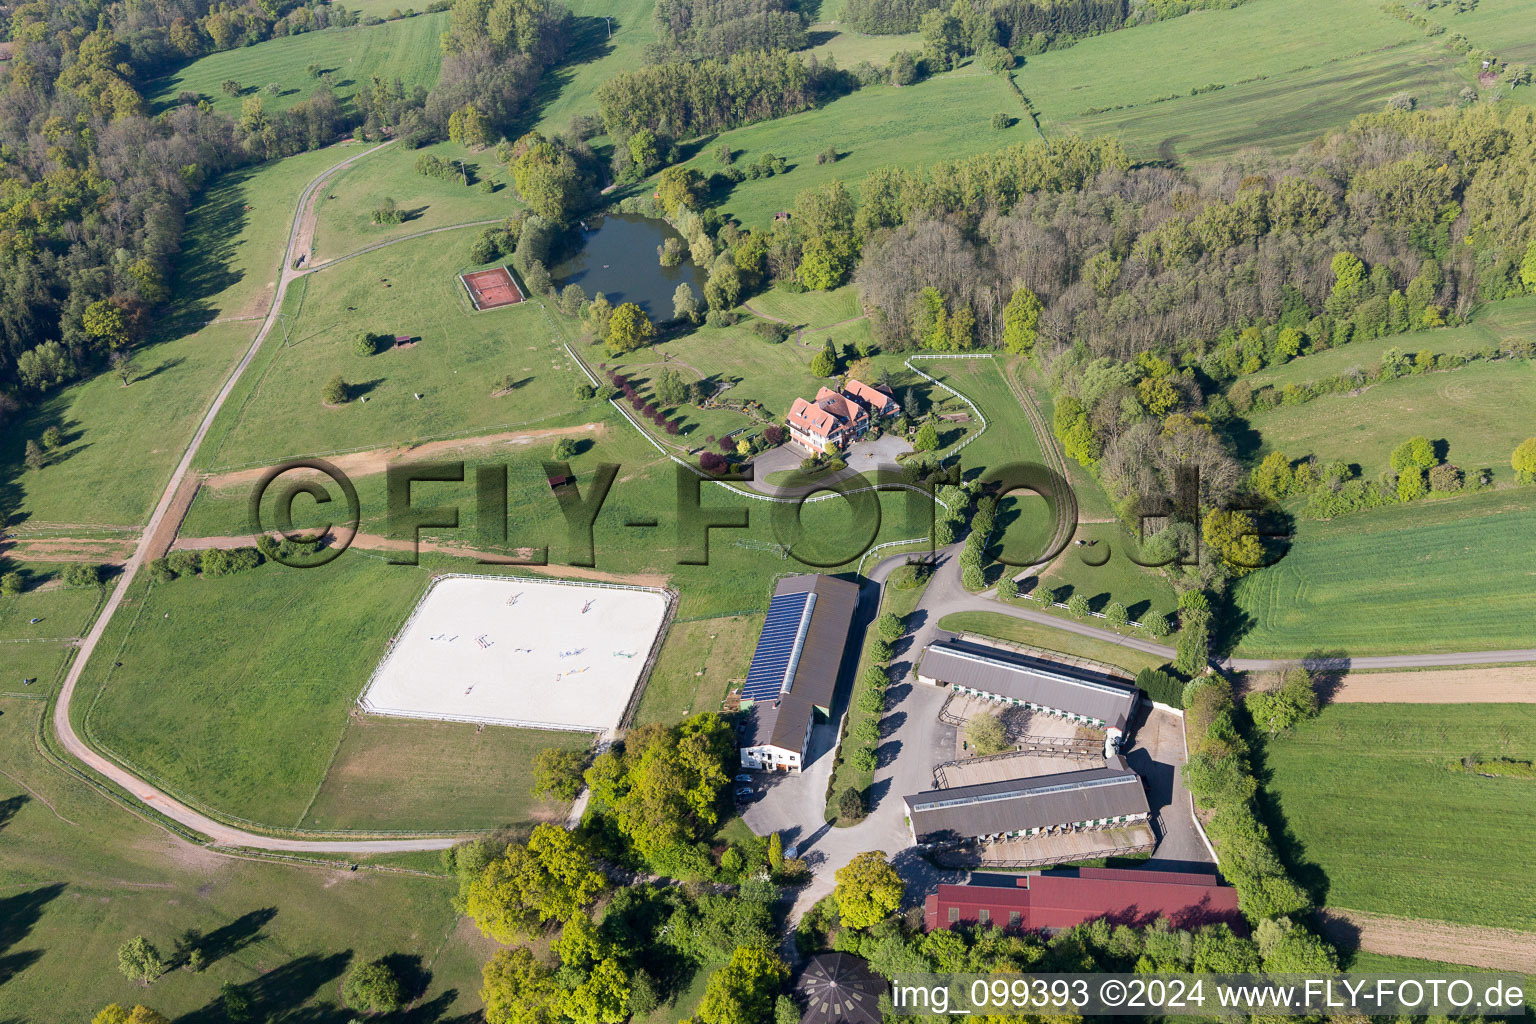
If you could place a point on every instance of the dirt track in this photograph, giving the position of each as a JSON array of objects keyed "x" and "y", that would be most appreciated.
[
  {"x": 377, "y": 542},
  {"x": 69, "y": 549},
  {"x": 377, "y": 460},
  {"x": 1509, "y": 684},
  {"x": 1514, "y": 684},
  {"x": 1500, "y": 949}
]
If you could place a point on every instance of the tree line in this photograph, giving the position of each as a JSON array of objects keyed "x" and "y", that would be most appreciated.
[
  {"x": 683, "y": 99},
  {"x": 690, "y": 29}
]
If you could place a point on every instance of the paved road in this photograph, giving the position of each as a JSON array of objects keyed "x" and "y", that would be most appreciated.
[{"x": 220, "y": 834}]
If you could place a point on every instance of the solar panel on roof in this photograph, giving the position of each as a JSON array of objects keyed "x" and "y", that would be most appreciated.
[{"x": 777, "y": 647}]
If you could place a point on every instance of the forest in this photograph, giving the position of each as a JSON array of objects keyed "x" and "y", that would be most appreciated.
[{"x": 96, "y": 184}]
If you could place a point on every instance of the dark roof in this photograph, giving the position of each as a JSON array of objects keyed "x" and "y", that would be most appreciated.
[
  {"x": 960, "y": 663},
  {"x": 990, "y": 808},
  {"x": 821, "y": 655},
  {"x": 779, "y": 646},
  {"x": 1064, "y": 899},
  {"x": 839, "y": 988}
]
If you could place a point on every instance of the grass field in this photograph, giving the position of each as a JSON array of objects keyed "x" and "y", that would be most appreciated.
[
  {"x": 81, "y": 876},
  {"x": 1493, "y": 324},
  {"x": 407, "y": 49},
  {"x": 120, "y": 444},
  {"x": 393, "y": 773},
  {"x": 1141, "y": 590},
  {"x": 411, "y": 290},
  {"x": 1288, "y": 76},
  {"x": 1431, "y": 576},
  {"x": 1503, "y": 26},
  {"x": 942, "y": 118},
  {"x": 607, "y": 39},
  {"x": 345, "y": 209},
  {"x": 1478, "y": 413},
  {"x": 1366, "y": 795},
  {"x": 809, "y": 309},
  {"x": 849, "y": 48},
  {"x": 219, "y": 690},
  {"x": 63, "y": 611},
  {"x": 1020, "y": 631},
  {"x": 700, "y": 660},
  {"x": 233, "y": 247}
]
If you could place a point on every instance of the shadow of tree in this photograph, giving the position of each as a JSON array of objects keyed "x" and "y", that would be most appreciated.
[
  {"x": 278, "y": 997},
  {"x": 233, "y": 937},
  {"x": 18, "y": 915}
]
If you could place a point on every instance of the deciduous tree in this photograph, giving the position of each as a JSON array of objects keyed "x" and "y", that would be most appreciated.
[{"x": 868, "y": 890}]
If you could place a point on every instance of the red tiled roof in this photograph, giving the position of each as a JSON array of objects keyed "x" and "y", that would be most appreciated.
[
  {"x": 1055, "y": 901},
  {"x": 840, "y": 405},
  {"x": 811, "y": 418},
  {"x": 877, "y": 398}
]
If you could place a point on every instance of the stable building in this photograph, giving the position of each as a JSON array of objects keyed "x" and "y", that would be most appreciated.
[
  {"x": 1024, "y": 808},
  {"x": 1056, "y": 900},
  {"x": 1007, "y": 678},
  {"x": 794, "y": 669}
]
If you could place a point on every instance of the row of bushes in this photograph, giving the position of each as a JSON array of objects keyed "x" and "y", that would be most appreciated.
[
  {"x": 1394, "y": 364},
  {"x": 76, "y": 574},
  {"x": 1220, "y": 775},
  {"x": 213, "y": 562}
]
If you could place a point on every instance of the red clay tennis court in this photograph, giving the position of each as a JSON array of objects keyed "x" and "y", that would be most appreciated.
[{"x": 489, "y": 289}]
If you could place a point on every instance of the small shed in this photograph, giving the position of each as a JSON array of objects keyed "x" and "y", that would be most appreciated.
[{"x": 839, "y": 988}]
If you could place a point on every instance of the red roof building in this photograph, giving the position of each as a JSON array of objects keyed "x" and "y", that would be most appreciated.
[
  {"x": 1050, "y": 902},
  {"x": 837, "y": 417}
]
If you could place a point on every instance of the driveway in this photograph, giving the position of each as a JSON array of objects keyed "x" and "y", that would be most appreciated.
[
  {"x": 1157, "y": 754},
  {"x": 863, "y": 457}
]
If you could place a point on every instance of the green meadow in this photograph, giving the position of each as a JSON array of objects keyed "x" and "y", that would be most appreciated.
[
  {"x": 237, "y": 231},
  {"x": 1143, "y": 591},
  {"x": 1366, "y": 795},
  {"x": 849, "y": 48},
  {"x": 1480, "y": 412},
  {"x": 82, "y": 875},
  {"x": 1286, "y": 74},
  {"x": 941, "y": 118},
  {"x": 344, "y": 209},
  {"x": 606, "y": 40},
  {"x": 1426, "y": 577},
  {"x": 394, "y": 773},
  {"x": 120, "y": 444},
  {"x": 62, "y": 611},
  {"x": 458, "y": 363},
  {"x": 1502, "y": 26},
  {"x": 1492, "y": 325},
  {"x": 407, "y": 49},
  {"x": 217, "y": 689}
]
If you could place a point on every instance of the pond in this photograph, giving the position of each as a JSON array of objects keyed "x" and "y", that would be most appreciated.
[{"x": 618, "y": 258}]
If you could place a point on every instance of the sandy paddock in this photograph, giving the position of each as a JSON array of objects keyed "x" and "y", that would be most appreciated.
[{"x": 509, "y": 650}]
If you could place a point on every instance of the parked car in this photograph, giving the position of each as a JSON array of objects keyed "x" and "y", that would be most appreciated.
[
  {"x": 744, "y": 792},
  {"x": 743, "y": 777}
]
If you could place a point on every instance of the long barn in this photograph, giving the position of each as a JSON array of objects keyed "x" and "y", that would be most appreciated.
[
  {"x": 1024, "y": 808},
  {"x": 1001, "y": 676},
  {"x": 794, "y": 669}
]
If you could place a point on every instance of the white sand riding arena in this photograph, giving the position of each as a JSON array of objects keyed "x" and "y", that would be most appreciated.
[{"x": 508, "y": 650}]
